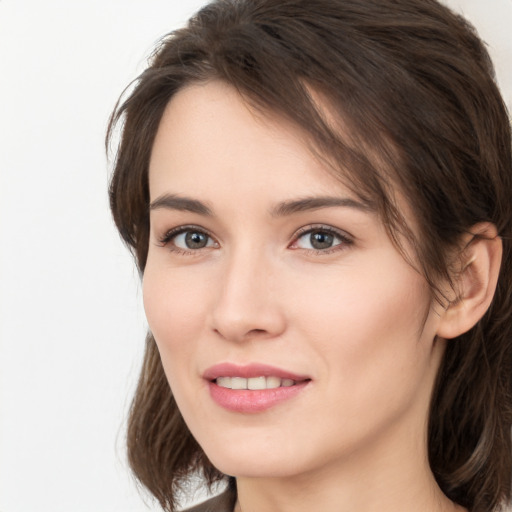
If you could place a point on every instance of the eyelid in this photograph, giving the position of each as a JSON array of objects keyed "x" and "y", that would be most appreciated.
[
  {"x": 346, "y": 238},
  {"x": 167, "y": 237}
]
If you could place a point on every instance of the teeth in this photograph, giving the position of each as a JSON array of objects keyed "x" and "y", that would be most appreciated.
[
  {"x": 273, "y": 382},
  {"x": 253, "y": 383},
  {"x": 224, "y": 382},
  {"x": 257, "y": 383},
  {"x": 238, "y": 383}
]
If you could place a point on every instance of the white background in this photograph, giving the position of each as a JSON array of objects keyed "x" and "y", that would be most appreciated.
[{"x": 71, "y": 321}]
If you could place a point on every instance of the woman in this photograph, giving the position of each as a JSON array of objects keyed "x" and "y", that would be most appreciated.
[{"x": 317, "y": 194}]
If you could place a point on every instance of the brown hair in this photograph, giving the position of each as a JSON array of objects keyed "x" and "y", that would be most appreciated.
[{"x": 415, "y": 86}]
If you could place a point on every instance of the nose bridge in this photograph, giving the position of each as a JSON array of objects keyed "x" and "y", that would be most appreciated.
[{"x": 246, "y": 304}]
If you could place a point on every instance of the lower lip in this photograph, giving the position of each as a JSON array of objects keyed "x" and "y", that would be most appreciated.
[{"x": 248, "y": 401}]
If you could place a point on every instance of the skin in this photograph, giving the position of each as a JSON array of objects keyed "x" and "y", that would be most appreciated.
[{"x": 355, "y": 317}]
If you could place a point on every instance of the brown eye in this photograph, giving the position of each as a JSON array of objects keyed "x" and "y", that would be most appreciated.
[
  {"x": 196, "y": 240},
  {"x": 321, "y": 240},
  {"x": 191, "y": 240}
]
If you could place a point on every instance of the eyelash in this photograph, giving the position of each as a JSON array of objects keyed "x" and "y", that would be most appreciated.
[
  {"x": 166, "y": 240},
  {"x": 344, "y": 238}
]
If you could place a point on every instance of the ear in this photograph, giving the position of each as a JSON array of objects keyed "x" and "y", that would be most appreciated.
[{"x": 475, "y": 283}]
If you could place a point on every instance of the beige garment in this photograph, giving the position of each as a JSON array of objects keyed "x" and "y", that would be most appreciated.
[{"x": 224, "y": 502}]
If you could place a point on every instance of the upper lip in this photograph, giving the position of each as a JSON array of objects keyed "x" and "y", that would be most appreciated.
[{"x": 250, "y": 370}]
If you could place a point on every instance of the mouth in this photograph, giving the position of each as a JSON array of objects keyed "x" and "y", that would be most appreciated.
[{"x": 252, "y": 388}]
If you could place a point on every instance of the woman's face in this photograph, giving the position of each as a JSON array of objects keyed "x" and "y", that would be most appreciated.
[{"x": 265, "y": 272}]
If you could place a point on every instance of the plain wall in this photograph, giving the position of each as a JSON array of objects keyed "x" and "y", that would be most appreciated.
[{"x": 71, "y": 320}]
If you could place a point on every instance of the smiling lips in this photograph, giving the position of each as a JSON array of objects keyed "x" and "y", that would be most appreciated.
[{"x": 252, "y": 388}]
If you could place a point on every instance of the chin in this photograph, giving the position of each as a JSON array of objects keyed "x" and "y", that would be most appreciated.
[
  {"x": 262, "y": 459},
  {"x": 251, "y": 460},
  {"x": 253, "y": 469}
]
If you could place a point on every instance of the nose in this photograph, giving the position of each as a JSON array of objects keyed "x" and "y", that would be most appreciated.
[{"x": 248, "y": 304}]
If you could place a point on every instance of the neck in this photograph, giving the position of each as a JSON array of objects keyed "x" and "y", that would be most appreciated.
[
  {"x": 301, "y": 496},
  {"x": 367, "y": 481}
]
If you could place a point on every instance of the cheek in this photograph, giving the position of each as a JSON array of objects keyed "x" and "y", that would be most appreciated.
[
  {"x": 369, "y": 323},
  {"x": 366, "y": 333},
  {"x": 174, "y": 306},
  {"x": 175, "y": 302},
  {"x": 382, "y": 298},
  {"x": 171, "y": 320}
]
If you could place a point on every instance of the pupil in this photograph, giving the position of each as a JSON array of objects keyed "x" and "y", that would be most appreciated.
[
  {"x": 320, "y": 240},
  {"x": 196, "y": 240}
]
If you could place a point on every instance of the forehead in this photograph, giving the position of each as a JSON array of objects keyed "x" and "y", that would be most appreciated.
[{"x": 210, "y": 135}]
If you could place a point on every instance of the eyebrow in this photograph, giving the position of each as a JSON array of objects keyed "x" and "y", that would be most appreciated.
[
  {"x": 317, "y": 203},
  {"x": 180, "y": 203},
  {"x": 174, "y": 202}
]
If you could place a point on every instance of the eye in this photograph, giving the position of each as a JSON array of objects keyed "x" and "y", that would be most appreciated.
[
  {"x": 320, "y": 239},
  {"x": 187, "y": 239},
  {"x": 192, "y": 240}
]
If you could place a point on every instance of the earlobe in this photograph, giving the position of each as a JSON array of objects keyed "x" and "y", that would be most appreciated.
[{"x": 475, "y": 283}]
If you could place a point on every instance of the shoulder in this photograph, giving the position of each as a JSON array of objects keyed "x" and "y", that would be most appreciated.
[{"x": 224, "y": 502}]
